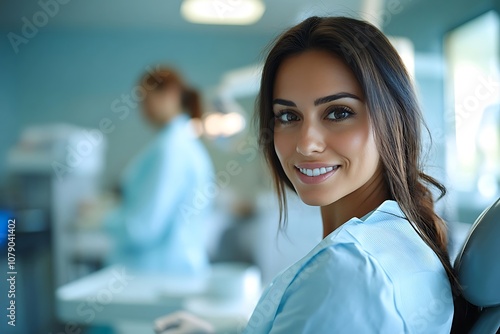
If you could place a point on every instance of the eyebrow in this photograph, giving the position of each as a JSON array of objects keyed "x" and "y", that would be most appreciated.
[{"x": 318, "y": 101}]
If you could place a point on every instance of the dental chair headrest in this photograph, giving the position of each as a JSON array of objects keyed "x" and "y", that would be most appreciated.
[{"x": 478, "y": 263}]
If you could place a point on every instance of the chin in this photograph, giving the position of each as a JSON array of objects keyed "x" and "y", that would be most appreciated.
[{"x": 314, "y": 199}]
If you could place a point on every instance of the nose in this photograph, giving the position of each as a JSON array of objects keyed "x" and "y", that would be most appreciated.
[{"x": 311, "y": 140}]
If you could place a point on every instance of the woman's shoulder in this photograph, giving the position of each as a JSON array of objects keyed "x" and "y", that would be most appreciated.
[
  {"x": 381, "y": 265},
  {"x": 388, "y": 238},
  {"x": 355, "y": 287},
  {"x": 367, "y": 276}
]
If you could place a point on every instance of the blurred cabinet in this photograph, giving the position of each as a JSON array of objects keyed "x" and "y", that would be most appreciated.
[{"x": 54, "y": 169}]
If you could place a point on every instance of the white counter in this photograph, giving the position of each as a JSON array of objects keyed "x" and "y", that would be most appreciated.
[{"x": 130, "y": 301}]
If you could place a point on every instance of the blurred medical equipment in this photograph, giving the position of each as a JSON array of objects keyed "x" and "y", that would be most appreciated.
[
  {"x": 479, "y": 269},
  {"x": 239, "y": 82},
  {"x": 54, "y": 169},
  {"x": 227, "y": 117}
]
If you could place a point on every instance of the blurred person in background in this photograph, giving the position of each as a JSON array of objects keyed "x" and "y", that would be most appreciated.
[{"x": 158, "y": 226}]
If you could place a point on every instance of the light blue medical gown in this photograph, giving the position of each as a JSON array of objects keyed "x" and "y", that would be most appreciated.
[
  {"x": 166, "y": 205},
  {"x": 371, "y": 276}
]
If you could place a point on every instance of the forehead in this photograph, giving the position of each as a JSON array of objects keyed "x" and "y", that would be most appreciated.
[{"x": 313, "y": 74}]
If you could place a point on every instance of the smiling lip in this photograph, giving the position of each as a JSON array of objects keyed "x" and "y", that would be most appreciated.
[{"x": 314, "y": 173}]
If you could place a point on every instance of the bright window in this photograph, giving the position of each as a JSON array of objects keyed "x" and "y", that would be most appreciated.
[{"x": 473, "y": 113}]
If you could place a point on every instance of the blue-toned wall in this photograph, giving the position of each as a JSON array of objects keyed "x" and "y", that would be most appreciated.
[{"x": 75, "y": 76}]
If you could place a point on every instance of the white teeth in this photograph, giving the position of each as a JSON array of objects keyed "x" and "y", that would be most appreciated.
[{"x": 316, "y": 171}]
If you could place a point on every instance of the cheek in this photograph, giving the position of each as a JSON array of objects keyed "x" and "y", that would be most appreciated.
[
  {"x": 166, "y": 101},
  {"x": 357, "y": 146},
  {"x": 148, "y": 107},
  {"x": 175, "y": 99},
  {"x": 154, "y": 104},
  {"x": 283, "y": 146}
]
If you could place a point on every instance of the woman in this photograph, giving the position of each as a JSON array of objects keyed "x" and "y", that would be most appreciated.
[
  {"x": 160, "y": 222},
  {"x": 340, "y": 125}
]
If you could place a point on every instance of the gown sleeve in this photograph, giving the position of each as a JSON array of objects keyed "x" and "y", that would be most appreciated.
[{"x": 342, "y": 289}]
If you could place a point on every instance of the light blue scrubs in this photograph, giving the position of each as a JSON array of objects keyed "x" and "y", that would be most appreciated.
[
  {"x": 371, "y": 276},
  {"x": 166, "y": 205}
]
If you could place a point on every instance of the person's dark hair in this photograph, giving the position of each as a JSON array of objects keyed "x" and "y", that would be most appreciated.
[
  {"x": 163, "y": 77},
  {"x": 393, "y": 110}
]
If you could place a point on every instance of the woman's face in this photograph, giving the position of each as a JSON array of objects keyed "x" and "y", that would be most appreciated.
[
  {"x": 322, "y": 134},
  {"x": 162, "y": 105}
]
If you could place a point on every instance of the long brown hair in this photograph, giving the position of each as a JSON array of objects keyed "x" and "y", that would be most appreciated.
[
  {"x": 394, "y": 112},
  {"x": 163, "y": 77}
]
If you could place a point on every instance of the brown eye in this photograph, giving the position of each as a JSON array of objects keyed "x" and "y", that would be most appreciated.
[
  {"x": 286, "y": 117},
  {"x": 339, "y": 113}
]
